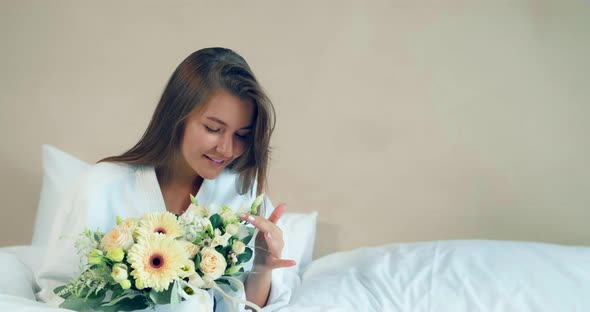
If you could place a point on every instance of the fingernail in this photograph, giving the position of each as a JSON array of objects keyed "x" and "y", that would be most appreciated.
[
  {"x": 242, "y": 215},
  {"x": 268, "y": 235},
  {"x": 250, "y": 219}
]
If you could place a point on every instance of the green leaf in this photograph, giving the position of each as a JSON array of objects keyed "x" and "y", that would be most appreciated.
[
  {"x": 246, "y": 256},
  {"x": 226, "y": 282},
  {"x": 197, "y": 260},
  {"x": 161, "y": 297},
  {"x": 248, "y": 238},
  {"x": 119, "y": 298},
  {"x": 216, "y": 221},
  {"x": 194, "y": 200},
  {"x": 223, "y": 250},
  {"x": 256, "y": 203},
  {"x": 76, "y": 304},
  {"x": 127, "y": 304},
  {"x": 222, "y": 281},
  {"x": 82, "y": 304},
  {"x": 58, "y": 289},
  {"x": 174, "y": 295},
  {"x": 118, "y": 291}
]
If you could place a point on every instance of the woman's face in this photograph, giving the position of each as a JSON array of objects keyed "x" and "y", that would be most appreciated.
[{"x": 217, "y": 135}]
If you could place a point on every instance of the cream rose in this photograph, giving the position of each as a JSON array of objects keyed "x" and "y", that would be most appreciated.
[
  {"x": 120, "y": 236},
  {"x": 189, "y": 248},
  {"x": 212, "y": 263},
  {"x": 199, "y": 210},
  {"x": 130, "y": 223},
  {"x": 229, "y": 216},
  {"x": 232, "y": 229},
  {"x": 238, "y": 247}
]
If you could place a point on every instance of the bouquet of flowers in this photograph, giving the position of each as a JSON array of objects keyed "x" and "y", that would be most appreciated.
[{"x": 162, "y": 259}]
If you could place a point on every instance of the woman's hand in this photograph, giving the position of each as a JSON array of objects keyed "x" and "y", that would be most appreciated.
[{"x": 269, "y": 238}]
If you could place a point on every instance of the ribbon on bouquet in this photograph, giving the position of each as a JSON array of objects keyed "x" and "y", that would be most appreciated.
[
  {"x": 234, "y": 299},
  {"x": 204, "y": 299}
]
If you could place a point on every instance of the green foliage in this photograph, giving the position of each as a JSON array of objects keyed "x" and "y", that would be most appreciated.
[
  {"x": 121, "y": 297},
  {"x": 216, "y": 221},
  {"x": 83, "y": 304},
  {"x": 167, "y": 296},
  {"x": 90, "y": 283},
  {"x": 223, "y": 250},
  {"x": 138, "y": 302},
  {"x": 174, "y": 295},
  {"x": 248, "y": 238},
  {"x": 246, "y": 256},
  {"x": 254, "y": 208},
  {"x": 194, "y": 200},
  {"x": 226, "y": 282},
  {"x": 197, "y": 260}
]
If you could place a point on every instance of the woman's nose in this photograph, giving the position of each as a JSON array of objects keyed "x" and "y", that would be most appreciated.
[{"x": 225, "y": 147}]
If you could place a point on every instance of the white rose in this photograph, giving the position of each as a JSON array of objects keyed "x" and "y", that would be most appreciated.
[
  {"x": 119, "y": 272},
  {"x": 229, "y": 216},
  {"x": 130, "y": 223},
  {"x": 213, "y": 209},
  {"x": 199, "y": 210},
  {"x": 189, "y": 248},
  {"x": 212, "y": 264},
  {"x": 238, "y": 247},
  {"x": 120, "y": 236},
  {"x": 232, "y": 229}
]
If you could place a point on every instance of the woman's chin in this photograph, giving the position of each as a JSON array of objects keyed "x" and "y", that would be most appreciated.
[{"x": 210, "y": 174}]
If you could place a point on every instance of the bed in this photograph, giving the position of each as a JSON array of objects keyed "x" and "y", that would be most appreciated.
[{"x": 462, "y": 275}]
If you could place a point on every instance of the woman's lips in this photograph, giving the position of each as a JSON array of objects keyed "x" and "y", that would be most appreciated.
[{"x": 215, "y": 162}]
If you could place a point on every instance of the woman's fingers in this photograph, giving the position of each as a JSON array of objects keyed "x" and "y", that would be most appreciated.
[
  {"x": 262, "y": 224},
  {"x": 277, "y": 263},
  {"x": 273, "y": 244},
  {"x": 277, "y": 213}
]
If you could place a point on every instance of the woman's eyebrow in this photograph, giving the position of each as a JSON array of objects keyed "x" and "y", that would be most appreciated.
[{"x": 223, "y": 123}]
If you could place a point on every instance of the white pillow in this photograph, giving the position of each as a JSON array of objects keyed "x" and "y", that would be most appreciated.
[
  {"x": 299, "y": 230},
  {"x": 17, "y": 279},
  {"x": 60, "y": 171}
]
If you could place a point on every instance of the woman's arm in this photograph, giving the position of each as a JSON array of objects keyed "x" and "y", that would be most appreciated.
[
  {"x": 258, "y": 287},
  {"x": 269, "y": 246}
]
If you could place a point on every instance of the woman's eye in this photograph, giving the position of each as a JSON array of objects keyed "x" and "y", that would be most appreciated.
[
  {"x": 211, "y": 130},
  {"x": 242, "y": 136}
]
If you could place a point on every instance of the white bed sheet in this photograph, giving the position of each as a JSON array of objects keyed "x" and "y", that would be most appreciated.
[
  {"x": 452, "y": 276},
  {"x": 431, "y": 276}
]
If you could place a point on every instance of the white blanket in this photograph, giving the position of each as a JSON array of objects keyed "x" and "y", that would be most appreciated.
[{"x": 452, "y": 276}]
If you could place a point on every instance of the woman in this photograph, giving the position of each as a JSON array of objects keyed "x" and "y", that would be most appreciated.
[{"x": 209, "y": 136}]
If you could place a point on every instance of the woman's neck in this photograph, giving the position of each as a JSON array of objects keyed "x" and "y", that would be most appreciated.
[{"x": 176, "y": 188}]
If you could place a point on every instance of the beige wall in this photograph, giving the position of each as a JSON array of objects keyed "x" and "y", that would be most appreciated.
[{"x": 397, "y": 121}]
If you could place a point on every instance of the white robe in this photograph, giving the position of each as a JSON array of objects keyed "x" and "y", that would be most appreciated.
[{"x": 108, "y": 190}]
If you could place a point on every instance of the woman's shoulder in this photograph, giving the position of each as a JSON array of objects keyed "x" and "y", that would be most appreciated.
[{"x": 108, "y": 173}]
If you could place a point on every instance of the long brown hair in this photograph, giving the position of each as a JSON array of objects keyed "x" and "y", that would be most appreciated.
[{"x": 192, "y": 84}]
